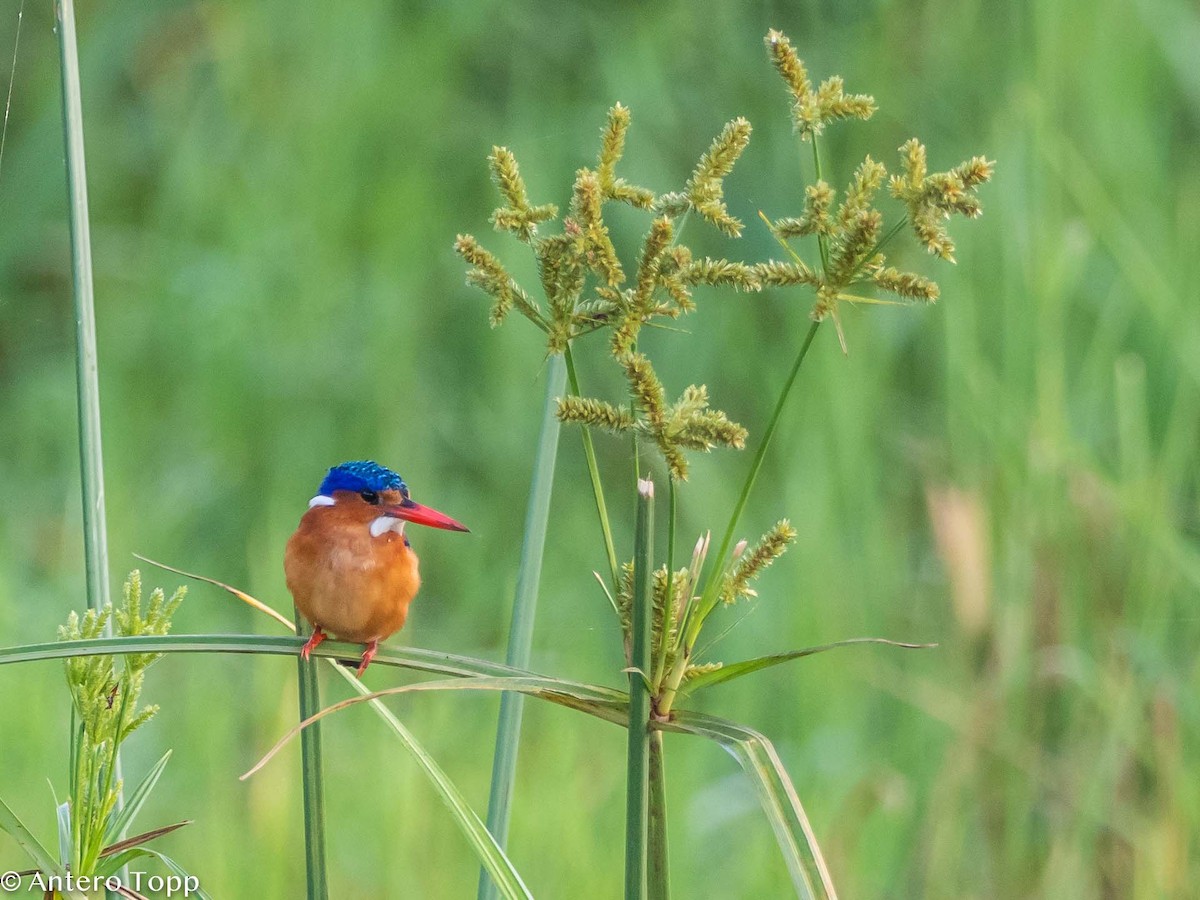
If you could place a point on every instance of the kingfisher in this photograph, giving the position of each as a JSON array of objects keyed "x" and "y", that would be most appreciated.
[{"x": 349, "y": 566}]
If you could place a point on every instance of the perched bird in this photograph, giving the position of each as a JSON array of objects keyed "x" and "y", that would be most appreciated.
[{"x": 349, "y": 565}]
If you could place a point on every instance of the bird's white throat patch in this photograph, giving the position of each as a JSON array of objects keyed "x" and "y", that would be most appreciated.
[
  {"x": 384, "y": 524},
  {"x": 320, "y": 500}
]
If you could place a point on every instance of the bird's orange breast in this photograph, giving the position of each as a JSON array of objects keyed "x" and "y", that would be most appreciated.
[{"x": 353, "y": 585}]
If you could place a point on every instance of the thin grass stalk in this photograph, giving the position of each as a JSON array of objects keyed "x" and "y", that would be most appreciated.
[
  {"x": 658, "y": 876},
  {"x": 87, "y": 381},
  {"x": 822, "y": 243},
  {"x": 638, "y": 760},
  {"x": 95, "y": 537},
  {"x": 589, "y": 452},
  {"x": 312, "y": 777},
  {"x": 713, "y": 586},
  {"x": 520, "y": 636},
  {"x": 664, "y": 637}
]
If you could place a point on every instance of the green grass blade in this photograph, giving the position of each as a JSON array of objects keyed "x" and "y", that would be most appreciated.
[
  {"x": 504, "y": 876},
  {"x": 520, "y": 635},
  {"x": 62, "y": 815},
  {"x": 638, "y": 760},
  {"x": 431, "y": 661},
  {"x": 312, "y": 778},
  {"x": 730, "y": 671},
  {"x": 536, "y": 685},
  {"x": 603, "y": 702},
  {"x": 42, "y": 857},
  {"x": 757, "y": 757},
  {"x": 135, "y": 802}
]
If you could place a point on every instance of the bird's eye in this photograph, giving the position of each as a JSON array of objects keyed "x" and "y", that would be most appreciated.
[{"x": 370, "y": 496}]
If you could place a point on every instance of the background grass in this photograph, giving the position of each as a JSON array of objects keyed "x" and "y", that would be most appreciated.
[{"x": 275, "y": 189}]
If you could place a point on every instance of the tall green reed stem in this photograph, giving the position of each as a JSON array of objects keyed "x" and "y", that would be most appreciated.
[
  {"x": 658, "y": 875},
  {"x": 520, "y": 637},
  {"x": 638, "y": 763},
  {"x": 87, "y": 381},
  {"x": 312, "y": 776}
]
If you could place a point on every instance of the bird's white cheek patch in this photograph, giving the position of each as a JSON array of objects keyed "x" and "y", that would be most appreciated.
[
  {"x": 384, "y": 524},
  {"x": 320, "y": 500}
]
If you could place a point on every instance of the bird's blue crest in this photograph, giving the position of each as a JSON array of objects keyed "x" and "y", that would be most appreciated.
[{"x": 361, "y": 475}]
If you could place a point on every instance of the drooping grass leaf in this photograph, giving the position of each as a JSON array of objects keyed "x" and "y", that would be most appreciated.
[
  {"x": 730, "y": 671},
  {"x": 758, "y": 759},
  {"x": 606, "y": 703},
  {"x": 504, "y": 876},
  {"x": 535, "y": 685}
]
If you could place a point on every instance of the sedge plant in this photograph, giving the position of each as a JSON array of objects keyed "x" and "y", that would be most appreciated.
[
  {"x": 94, "y": 820},
  {"x": 587, "y": 289},
  {"x": 663, "y": 606}
]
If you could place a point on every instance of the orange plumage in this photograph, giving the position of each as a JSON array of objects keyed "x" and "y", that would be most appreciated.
[
  {"x": 349, "y": 566},
  {"x": 352, "y": 584}
]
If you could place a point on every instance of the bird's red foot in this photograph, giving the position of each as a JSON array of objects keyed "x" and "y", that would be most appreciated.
[
  {"x": 368, "y": 655},
  {"x": 314, "y": 641}
]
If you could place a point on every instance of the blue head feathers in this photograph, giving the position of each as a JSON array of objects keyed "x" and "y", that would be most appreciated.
[{"x": 361, "y": 475}]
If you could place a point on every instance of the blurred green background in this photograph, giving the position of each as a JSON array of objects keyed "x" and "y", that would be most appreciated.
[{"x": 275, "y": 189}]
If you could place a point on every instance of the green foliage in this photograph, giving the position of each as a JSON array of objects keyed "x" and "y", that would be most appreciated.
[
  {"x": 105, "y": 701},
  {"x": 277, "y": 184},
  {"x": 105, "y": 712},
  {"x": 586, "y": 287},
  {"x": 662, "y": 617}
]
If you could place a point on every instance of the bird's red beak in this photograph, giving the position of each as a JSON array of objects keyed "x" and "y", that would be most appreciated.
[{"x": 411, "y": 511}]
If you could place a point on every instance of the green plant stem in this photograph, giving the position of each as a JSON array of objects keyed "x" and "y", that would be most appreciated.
[
  {"x": 658, "y": 877},
  {"x": 712, "y": 587},
  {"x": 87, "y": 381},
  {"x": 638, "y": 760},
  {"x": 73, "y": 784},
  {"x": 589, "y": 452},
  {"x": 668, "y": 612},
  {"x": 311, "y": 775},
  {"x": 520, "y": 636},
  {"x": 822, "y": 243},
  {"x": 880, "y": 244}
]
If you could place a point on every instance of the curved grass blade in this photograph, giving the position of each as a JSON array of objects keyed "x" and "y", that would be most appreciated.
[
  {"x": 504, "y": 875},
  {"x": 758, "y": 759},
  {"x": 604, "y": 702},
  {"x": 730, "y": 671},
  {"x": 536, "y": 685}
]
